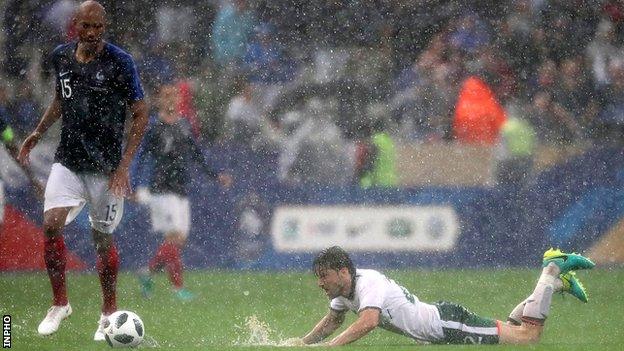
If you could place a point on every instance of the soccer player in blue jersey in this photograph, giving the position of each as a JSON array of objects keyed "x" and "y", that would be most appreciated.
[
  {"x": 96, "y": 84},
  {"x": 173, "y": 150}
]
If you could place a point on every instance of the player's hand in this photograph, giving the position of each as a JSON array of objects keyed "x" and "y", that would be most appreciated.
[
  {"x": 29, "y": 143},
  {"x": 119, "y": 183},
  {"x": 225, "y": 180}
]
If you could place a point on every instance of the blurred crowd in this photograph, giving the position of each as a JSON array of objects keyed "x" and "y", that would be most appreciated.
[{"x": 314, "y": 81}]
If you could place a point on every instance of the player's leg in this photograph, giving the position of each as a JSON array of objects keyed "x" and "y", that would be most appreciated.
[
  {"x": 566, "y": 282},
  {"x": 535, "y": 311},
  {"x": 107, "y": 267},
  {"x": 175, "y": 267},
  {"x": 105, "y": 213},
  {"x": 460, "y": 326},
  {"x": 569, "y": 284},
  {"x": 55, "y": 259},
  {"x": 168, "y": 257},
  {"x": 64, "y": 198},
  {"x": 170, "y": 215},
  {"x": 179, "y": 234},
  {"x": 160, "y": 219}
]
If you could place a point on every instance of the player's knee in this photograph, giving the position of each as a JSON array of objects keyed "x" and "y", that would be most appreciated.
[
  {"x": 52, "y": 226},
  {"x": 54, "y": 221},
  {"x": 177, "y": 238}
]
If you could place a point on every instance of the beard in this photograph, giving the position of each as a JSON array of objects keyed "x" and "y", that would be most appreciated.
[{"x": 90, "y": 46}]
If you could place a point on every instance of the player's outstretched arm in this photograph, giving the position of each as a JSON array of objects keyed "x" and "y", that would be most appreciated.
[
  {"x": 325, "y": 327},
  {"x": 368, "y": 320},
  {"x": 51, "y": 115},
  {"x": 119, "y": 183}
]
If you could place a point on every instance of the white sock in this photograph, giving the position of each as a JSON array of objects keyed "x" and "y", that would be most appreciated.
[{"x": 537, "y": 305}]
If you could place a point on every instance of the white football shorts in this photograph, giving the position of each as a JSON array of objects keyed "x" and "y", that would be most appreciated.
[
  {"x": 68, "y": 189},
  {"x": 170, "y": 213}
]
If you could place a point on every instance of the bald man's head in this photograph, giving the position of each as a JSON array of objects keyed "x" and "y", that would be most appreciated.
[
  {"x": 91, "y": 7},
  {"x": 90, "y": 22}
]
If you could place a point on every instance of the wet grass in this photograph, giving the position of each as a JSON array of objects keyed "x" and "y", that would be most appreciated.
[{"x": 290, "y": 304}]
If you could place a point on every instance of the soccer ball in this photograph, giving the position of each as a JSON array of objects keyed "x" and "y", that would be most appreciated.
[{"x": 123, "y": 329}]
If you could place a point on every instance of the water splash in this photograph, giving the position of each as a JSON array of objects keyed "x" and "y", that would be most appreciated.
[{"x": 259, "y": 333}]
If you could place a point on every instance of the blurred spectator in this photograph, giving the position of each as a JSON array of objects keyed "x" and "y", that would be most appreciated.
[
  {"x": 489, "y": 65},
  {"x": 515, "y": 152},
  {"x": 424, "y": 110},
  {"x": 187, "y": 86},
  {"x": 156, "y": 67},
  {"x": 601, "y": 51},
  {"x": 174, "y": 21},
  {"x": 314, "y": 151},
  {"x": 610, "y": 124},
  {"x": 264, "y": 61},
  {"x": 376, "y": 164},
  {"x": 478, "y": 115},
  {"x": 231, "y": 32},
  {"x": 545, "y": 78},
  {"x": 543, "y": 117},
  {"x": 186, "y": 105},
  {"x": 574, "y": 100},
  {"x": 469, "y": 34},
  {"x": 25, "y": 109},
  {"x": 564, "y": 32},
  {"x": 21, "y": 28},
  {"x": 4, "y": 104},
  {"x": 515, "y": 43},
  {"x": 252, "y": 235},
  {"x": 58, "y": 20},
  {"x": 244, "y": 120}
]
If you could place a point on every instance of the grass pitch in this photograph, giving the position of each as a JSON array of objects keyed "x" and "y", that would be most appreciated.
[{"x": 289, "y": 304}]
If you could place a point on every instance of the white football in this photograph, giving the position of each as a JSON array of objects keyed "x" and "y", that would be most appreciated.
[{"x": 124, "y": 329}]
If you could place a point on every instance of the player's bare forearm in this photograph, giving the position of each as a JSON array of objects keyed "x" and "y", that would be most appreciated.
[
  {"x": 366, "y": 322},
  {"x": 325, "y": 327},
  {"x": 137, "y": 129},
  {"x": 50, "y": 116}
]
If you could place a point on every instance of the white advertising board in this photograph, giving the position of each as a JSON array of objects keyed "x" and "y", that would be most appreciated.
[{"x": 365, "y": 228}]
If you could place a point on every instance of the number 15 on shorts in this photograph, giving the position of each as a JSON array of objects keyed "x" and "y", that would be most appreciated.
[{"x": 111, "y": 212}]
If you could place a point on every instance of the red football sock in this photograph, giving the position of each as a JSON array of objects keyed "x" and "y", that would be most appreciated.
[
  {"x": 107, "y": 267},
  {"x": 168, "y": 256},
  {"x": 174, "y": 268},
  {"x": 161, "y": 258},
  {"x": 55, "y": 259}
]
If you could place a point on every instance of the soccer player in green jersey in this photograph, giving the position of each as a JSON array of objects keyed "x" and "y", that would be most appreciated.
[{"x": 380, "y": 301}]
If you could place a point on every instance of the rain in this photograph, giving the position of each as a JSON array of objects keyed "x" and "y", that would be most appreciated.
[{"x": 228, "y": 174}]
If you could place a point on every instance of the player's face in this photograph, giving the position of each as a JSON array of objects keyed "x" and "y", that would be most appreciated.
[
  {"x": 90, "y": 27},
  {"x": 169, "y": 98},
  {"x": 332, "y": 281}
]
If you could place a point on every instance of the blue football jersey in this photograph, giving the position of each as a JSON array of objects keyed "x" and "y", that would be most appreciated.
[{"x": 95, "y": 97}]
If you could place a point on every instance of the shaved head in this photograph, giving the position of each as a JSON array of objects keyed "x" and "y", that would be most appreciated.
[
  {"x": 90, "y": 23},
  {"x": 90, "y": 8}
]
